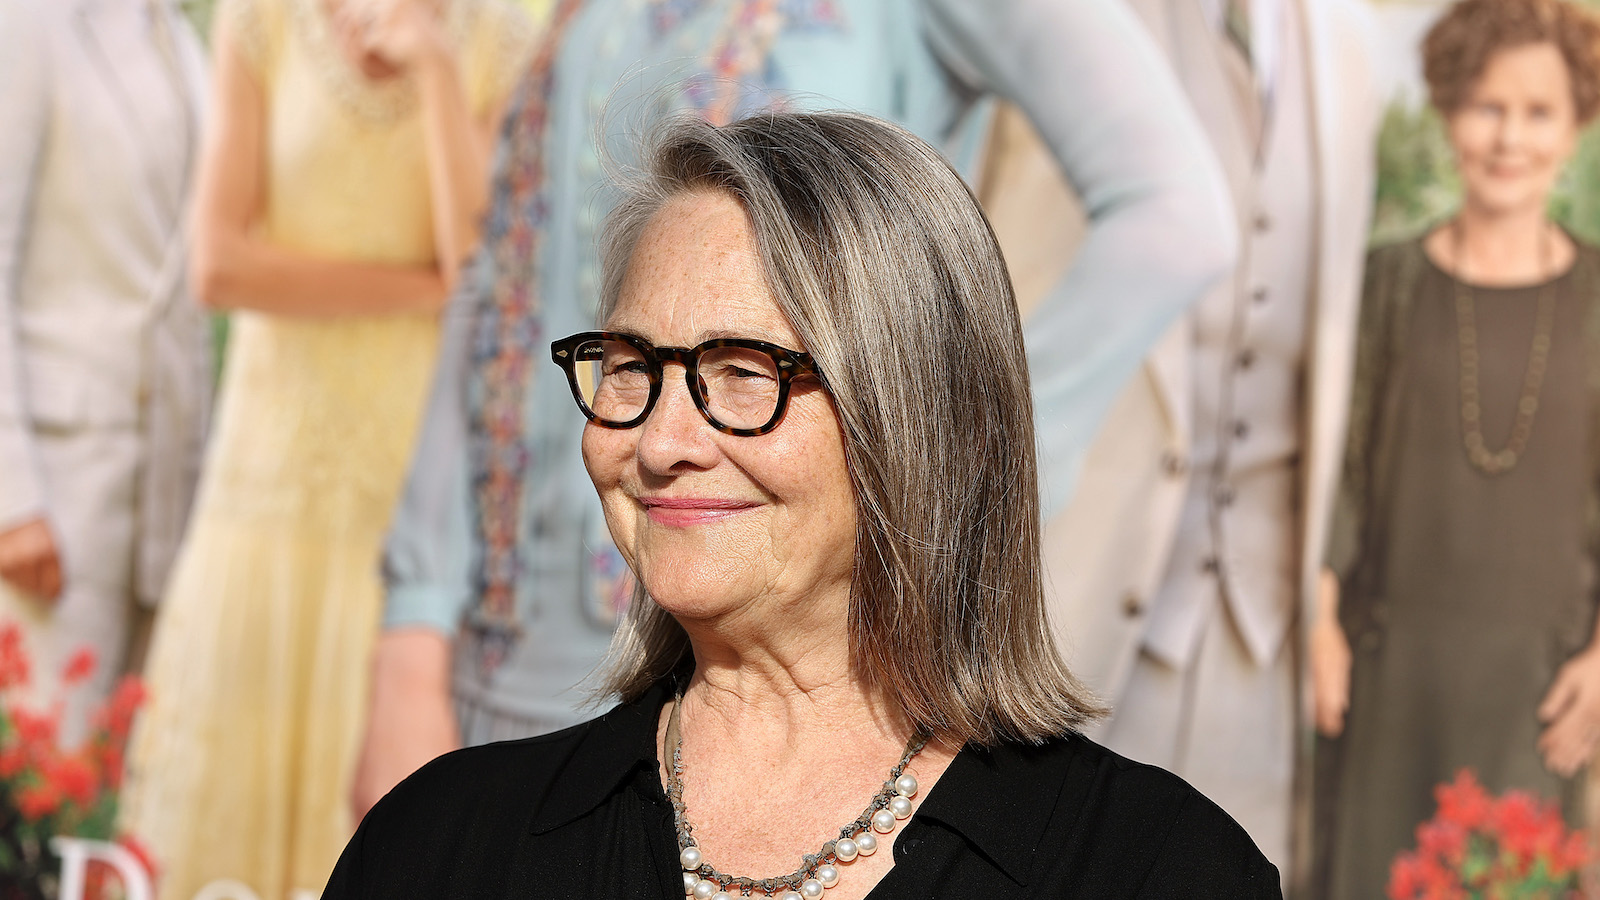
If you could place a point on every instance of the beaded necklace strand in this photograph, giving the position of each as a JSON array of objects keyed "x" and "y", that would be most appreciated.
[{"x": 817, "y": 871}]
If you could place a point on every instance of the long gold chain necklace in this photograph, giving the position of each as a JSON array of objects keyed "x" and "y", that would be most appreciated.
[
  {"x": 1487, "y": 461},
  {"x": 818, "y": 871}
]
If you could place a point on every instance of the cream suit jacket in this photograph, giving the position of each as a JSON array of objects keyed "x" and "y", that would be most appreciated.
[
  {"x": 97, "y": 332},
  {"x": 1106, "y": 554}
]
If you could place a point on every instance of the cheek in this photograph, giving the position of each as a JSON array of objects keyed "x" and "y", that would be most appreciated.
[
  {"x": 606, "y": 453},
  {"x": 819, "y": 469},
  {"x": 1554, "y": 144},
  {"x": 1473, "y": 144}
]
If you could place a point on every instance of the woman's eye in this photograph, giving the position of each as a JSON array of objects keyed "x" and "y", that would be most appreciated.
[{"x": 628, "y": 367}]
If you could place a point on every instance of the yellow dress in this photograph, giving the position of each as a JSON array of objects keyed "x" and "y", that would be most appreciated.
[{"x": 258, "y": 674}]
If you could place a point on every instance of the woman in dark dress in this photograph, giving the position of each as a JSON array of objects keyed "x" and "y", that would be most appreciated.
[
  {"x": 811, "y": 432},
  {"x": 1465, "y": 551}
]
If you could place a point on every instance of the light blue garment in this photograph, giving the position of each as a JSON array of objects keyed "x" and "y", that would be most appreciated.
[{"x": 1097, "y": 91}]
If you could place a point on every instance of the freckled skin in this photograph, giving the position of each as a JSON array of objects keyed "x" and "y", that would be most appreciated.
[{"x": 784, "y": 563}]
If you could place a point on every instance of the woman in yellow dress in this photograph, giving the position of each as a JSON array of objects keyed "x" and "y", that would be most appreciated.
[{"x": 338, "y": 195}]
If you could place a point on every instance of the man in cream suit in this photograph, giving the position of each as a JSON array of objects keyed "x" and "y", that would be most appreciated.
[
  {"x": 104, "y": 372},
  {"x": 1183, "y": 570}
]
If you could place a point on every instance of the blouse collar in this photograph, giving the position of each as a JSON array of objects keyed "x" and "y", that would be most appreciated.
[{"x": 998, "y": 800}]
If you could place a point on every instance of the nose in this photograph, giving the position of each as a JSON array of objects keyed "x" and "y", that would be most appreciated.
[
  {"x": 1512, "y": 130},
  {"x": 675, "y": 435}
]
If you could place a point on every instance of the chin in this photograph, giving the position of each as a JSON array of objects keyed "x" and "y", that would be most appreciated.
[
  {"x": 695, "y": 597},
  {"x": 1505, "y": 198}
]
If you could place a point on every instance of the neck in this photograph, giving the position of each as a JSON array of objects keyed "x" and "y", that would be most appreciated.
[
  {"x": 802, "y": 685},
  {"x": 1497, "y": 247}
]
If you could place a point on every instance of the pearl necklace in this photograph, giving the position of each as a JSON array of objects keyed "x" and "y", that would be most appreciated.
[{"x": 817, "y": 871}]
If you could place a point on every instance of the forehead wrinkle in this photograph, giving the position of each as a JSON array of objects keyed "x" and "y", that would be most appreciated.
[{"x": 697, "y": 275}]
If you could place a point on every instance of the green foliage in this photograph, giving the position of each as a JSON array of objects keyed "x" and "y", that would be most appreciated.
[
  {"x": 1416, "y": 176},
  {"x": 199, "y": 12}
]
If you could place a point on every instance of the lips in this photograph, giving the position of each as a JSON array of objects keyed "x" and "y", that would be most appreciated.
[{"x": 688, "y": 511}]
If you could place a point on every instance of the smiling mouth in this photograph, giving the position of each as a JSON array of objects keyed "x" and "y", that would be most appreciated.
[{"x": 684, "y": 511}]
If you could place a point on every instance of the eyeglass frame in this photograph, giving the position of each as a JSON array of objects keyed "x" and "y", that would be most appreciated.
[{"x": 790, "y": 363}]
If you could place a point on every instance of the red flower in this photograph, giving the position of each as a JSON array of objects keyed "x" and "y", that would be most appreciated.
[
  {"x": 12, "y": 761},
  {"x": 1443, "y": 839},
  {"x": 79, "y": 667},
  {"x": 34, "y": 731},
  {"x": 116, "y": 717},
  {"x": 13, "y": 659},
  {"x": 1480, "y": 846},
  {"x": 1463, "y": 801},
  {"x": 37, "y": 801},
  {"x": 73, "y": 777}
]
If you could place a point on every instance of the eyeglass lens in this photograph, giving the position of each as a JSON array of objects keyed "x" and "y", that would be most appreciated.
[{"x": 739, "y": 386}]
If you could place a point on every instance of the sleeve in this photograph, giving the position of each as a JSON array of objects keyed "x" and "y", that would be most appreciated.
[
  {"x": 1161, "y": 226},
  {"x": 24, "y": 119},
  {"x": 503, "y": 41},
  {"x": 1347, "y": 530},
  {"x": 428, "y": 556},
  {"x": 1205, "y": 853}
]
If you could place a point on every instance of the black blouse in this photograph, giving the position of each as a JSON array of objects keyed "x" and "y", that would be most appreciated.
[{"x": 582, "y": 813}]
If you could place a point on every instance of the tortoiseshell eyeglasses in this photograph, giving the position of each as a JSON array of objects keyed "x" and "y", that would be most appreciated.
[{"x": 740, "y": 386}]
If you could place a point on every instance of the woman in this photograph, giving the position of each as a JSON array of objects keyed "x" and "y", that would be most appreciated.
[
  {"x": 503, "y": 586},
  {"x": 833, "y": 517},
  {"x": 338, "y": 192},
  {"x": 1466, "y": 545}
]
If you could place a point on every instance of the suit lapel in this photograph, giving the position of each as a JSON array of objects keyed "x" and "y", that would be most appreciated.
[
  {"x": 143, "y": 92},
  {"x": 100, "y": 32}
]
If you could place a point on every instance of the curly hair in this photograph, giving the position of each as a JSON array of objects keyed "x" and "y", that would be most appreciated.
[{"x": 1459, "y": 46}]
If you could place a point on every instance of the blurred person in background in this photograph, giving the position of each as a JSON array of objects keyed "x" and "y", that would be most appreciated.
[
  {"x": 1184, "y": 572},
  {"x": 341, "y": 185},
  {"x": 1467, "y": 542},
  {"x": 503, "y": 584},
  {"x": 104, "y": 363}
]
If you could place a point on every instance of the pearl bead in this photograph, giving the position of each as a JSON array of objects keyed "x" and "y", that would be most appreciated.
[
  {"x": 811, "y": 889},
  {"x": 722, "y": 895},
  {"x": 690, "y": 879},
  {"x": 790, "y": 895},
  {"x": 828, "y": 875},
  {"x": 867, "y": 843},
  {"x": 846, "y": 849},
  {"x": 691, "y": 857},
  {"x": 900, "y": 807},
  {"x": 906, "y": 786},
  {"x": 705, "y": 890},
  {"x": 883, "y": 821}
]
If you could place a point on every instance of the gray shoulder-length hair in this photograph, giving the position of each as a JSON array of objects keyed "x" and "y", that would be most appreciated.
[{"x": 887, "y": 269}]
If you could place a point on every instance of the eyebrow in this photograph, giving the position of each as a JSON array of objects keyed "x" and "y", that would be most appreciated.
[{"x": 715, "y": 334}]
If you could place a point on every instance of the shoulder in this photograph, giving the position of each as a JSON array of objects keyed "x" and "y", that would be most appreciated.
[
  {"x": 1588, "y": 255},
  {"x": 256, "y": 28},
  {"x": 1391, "y": 269},
  {"x": 1136, "y": 823},
  {"x": 509, "y": 776},
  {"x": 435, "y": 834},
  {"x": 1586, "y": 271},
  {"x": 1394, "y": 254}
]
